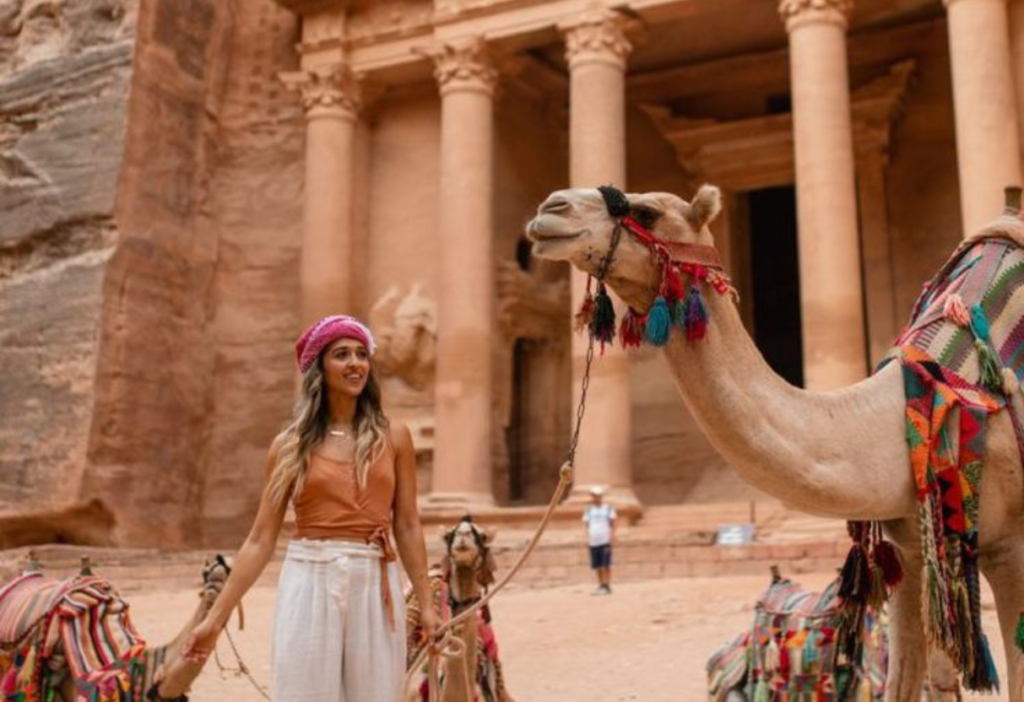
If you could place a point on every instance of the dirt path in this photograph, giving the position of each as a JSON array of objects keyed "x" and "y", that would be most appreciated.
[{"x": 648, "y": 641}]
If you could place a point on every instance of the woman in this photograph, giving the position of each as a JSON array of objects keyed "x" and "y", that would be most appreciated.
[{"x": 351, "y": 475}]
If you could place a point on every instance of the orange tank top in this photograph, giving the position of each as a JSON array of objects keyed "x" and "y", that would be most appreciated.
[{"x": 332, "y": 505}]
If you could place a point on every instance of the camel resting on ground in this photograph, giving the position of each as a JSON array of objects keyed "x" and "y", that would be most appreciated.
[
  {"x": 457, "y": 583},
  {"x": 73, "y": 640},
  {"x": 841, "y": 454}
]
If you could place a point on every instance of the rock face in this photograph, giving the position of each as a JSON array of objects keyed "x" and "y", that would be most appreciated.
[
  {"x": 150, "y": 206},
  {"x": 65, "y": 70}
]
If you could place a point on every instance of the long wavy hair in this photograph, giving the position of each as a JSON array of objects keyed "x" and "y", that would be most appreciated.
[{"x": 308, "y": 427}]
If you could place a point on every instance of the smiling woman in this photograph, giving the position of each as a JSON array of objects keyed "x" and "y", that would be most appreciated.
[{"x": 351, "y": 476}]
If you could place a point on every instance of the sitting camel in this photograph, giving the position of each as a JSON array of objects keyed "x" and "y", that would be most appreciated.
[
  {"x": 458, "y": 583},
  {"x": 842, "y": 453},
  {"x": 73, "y": 640}
]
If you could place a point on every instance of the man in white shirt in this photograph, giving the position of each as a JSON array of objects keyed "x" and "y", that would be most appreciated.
[{"x": 600, "y": 521}]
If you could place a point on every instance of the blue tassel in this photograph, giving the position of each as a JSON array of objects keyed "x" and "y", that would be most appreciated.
[
  {"x": 810, "y": 653},
  {"x": 979, "y": 324},
  {"x": 986, "y": 676},
  {"x": 659, "y": 323}
]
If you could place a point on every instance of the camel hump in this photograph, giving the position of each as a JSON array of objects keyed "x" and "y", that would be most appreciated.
[{"x": 24, "y": 602}]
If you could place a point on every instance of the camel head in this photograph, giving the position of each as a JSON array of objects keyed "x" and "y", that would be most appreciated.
[
  {"x": 469, "y": 552},
  {"x": 175, "y": 675},
  {"x": 576, "y": 225}
]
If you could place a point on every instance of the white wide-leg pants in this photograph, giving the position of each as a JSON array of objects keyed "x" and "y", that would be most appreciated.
[{"x": 332, "y": 641}]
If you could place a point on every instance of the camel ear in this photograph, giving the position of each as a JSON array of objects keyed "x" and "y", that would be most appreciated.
[
  {"x": 706, "y": 205},
  {"x": 488, "y": 535}
]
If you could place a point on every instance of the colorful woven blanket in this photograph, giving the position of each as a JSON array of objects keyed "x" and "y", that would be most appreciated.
[
  {"x": 789, "y": 653},
  {"x": 962, "y": 356},
  {"x": 50, "y": 629}
]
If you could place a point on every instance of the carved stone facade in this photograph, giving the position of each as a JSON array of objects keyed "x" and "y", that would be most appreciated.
[
  {"x": 598, "y": 36},
  {"x": 796, "y": 13},
  {"x": 331, "y": 87},
  {"x": 159, "y": 254},
  {"x": 464, "y": 65}
]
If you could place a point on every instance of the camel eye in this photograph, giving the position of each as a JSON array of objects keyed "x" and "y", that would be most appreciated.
[{"x": 645, "y": 216}]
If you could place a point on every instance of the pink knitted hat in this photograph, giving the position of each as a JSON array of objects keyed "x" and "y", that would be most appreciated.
[{"x": 322, "y": 334}]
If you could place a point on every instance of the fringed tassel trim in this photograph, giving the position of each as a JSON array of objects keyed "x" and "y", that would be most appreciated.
[
  {"x": 659, "y": 323},
  {"x": 631, "y": 329},
  {"x": 695, "y": 315},
  {"x": 585, "y": 315},
  {"x": 602, "y": 326}
]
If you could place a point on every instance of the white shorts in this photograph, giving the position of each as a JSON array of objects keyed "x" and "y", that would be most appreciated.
[{"x": 332, "y": 641}]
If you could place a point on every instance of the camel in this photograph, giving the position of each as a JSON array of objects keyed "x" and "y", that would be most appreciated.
[
  {"x": 841, "y": 454},
  {"x": 458, "y": 583},
  {"x": 40, "y": 615}
]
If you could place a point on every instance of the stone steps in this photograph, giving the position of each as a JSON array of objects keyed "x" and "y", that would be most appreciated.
[{"x": 668, "y": 542}]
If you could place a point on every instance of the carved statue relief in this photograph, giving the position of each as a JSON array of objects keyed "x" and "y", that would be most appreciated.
[{"x": 406, "y": 329}]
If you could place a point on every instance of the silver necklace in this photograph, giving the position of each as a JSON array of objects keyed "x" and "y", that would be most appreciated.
[{"x": 337, "y": 432}]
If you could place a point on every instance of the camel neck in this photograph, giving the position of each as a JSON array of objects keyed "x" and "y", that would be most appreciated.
[{"x": 808, "y": 449}]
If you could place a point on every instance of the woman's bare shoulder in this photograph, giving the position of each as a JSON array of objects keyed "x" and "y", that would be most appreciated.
[{"x": 401, "y": 437}]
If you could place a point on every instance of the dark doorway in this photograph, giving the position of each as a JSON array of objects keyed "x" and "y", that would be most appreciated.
[{"x": 775, "y": 275}]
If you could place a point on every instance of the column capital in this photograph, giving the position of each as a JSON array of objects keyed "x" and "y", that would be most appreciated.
[
  {"x": 600, "y": 36},
  {"x": 465, "y": 65},
  {"x": 797, "y": 13},
  {"x": 331, "y": 89},
  {"x": 947, "y": 3}
]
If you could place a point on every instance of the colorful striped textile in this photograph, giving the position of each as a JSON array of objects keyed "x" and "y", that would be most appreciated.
[
  {"x": 962, "y": 357},
  {"x": 788, "y": 656},
  {"x": 82, "y": 622}
]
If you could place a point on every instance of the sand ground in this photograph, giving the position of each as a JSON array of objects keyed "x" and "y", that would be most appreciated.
[{"x": 648, "y": 641}]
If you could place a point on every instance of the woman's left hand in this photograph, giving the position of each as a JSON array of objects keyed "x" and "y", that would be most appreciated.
[{"x": 430, "y": 622}]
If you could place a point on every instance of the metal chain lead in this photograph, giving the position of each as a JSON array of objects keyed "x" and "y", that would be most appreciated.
[{"x": 581, "y": 408}]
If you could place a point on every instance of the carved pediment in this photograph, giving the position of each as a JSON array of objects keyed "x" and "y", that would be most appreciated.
[{"x": 758, "y": 152}]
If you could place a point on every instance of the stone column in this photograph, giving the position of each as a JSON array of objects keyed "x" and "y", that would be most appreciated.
[
  {"x": 596, "y": 49},
  {"x": 831, "y": 303},
  {"x": 464, "y": 382},
  {"x": 331, "y": 97},
  {"x": 1016, "y": 20},
  {"x": 876, "y": 251},
  {"x": 987, "y": 140}
]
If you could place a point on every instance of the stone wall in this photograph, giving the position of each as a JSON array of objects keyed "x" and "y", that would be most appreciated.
[
  {"x": 254, "y": 211},
  {"x": 153, "y": 393},
  {"x": 65, "y": 71}
]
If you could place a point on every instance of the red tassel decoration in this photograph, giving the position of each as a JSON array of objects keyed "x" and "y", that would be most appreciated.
[
  {"x": 632, "y": 328},
  {"x": 695, "y": 315},
  {"x": 855, "y": 578},
  {"x": 888, "y": 560},
  {"x": 585, "y": 315},
  {"x": 672, "y": 285}
]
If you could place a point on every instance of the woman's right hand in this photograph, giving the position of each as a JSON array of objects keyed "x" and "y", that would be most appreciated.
[{"x": 201, "y": 642}]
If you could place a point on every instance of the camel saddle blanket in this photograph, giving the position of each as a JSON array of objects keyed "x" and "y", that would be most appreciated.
[
  {"x": 79, "y": 627},
  {"x": 961, "y": 357},
  {"x": 788, "y": 654}
]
